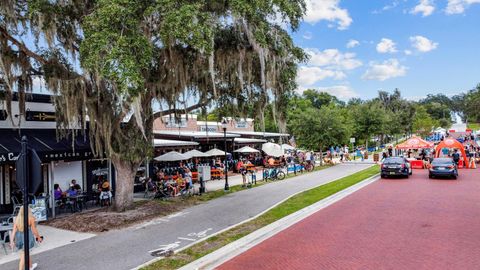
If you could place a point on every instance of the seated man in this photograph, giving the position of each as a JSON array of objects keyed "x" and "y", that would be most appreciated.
[{"x": 75, "y": 185}]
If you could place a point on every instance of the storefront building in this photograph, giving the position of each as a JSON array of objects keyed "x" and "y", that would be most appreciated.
[{"x": 63, "y": 159}]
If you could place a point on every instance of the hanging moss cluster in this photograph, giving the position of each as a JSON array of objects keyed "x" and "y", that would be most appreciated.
[{"x": 107, "y": 61}]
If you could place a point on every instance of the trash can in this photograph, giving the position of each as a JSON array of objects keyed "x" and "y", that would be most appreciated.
[{"x": 376, "y": 157}]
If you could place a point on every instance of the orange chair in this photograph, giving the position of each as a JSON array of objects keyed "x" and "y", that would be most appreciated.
[{"x": 194, "y": 177}]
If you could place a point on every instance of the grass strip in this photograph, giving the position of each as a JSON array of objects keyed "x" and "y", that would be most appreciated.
[
  {"x": 286, "y": 208},
  {"x": 210, "y": 195},
  {"x": 474, "y": 126}
]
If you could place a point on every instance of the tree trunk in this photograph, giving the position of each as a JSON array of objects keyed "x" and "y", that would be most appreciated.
[{"x": 126, "y": 172}]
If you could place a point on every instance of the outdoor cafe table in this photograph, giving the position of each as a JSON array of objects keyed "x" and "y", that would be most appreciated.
[
  {"x": 6, "y": 228},
  {"x": 77, "y": 201}
]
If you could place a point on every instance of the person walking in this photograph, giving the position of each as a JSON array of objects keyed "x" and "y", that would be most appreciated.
[
  {"x": 456, "y": 157},
  {"x": 17, "y": 237}
]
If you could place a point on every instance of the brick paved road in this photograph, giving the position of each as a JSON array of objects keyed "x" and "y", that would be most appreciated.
[{"x": 391, "y": 224}]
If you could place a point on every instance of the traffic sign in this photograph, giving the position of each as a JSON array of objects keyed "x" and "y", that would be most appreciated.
[
  {"x": 33, "y": 171},
  {"x": 352, "y": 140}
]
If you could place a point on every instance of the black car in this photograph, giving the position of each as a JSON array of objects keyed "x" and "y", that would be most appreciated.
[
  {"x": 396, "y": 166},
  {"x": 443, "y": 167}
]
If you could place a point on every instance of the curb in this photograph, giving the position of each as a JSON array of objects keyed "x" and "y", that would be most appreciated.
[
  {"x": 236, "y": 248},
  {"x": 238, "y": 224}
]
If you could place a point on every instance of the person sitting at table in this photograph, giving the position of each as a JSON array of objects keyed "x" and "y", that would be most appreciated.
[
  {"x": 271, "y": 162},
  {"x": 72, "y": 191},
  {"x": 75, "y": 185},
  {"x": 171, "y": 186},
  {"x": 57, "y": 192}
]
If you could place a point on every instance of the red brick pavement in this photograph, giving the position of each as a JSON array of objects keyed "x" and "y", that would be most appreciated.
[{"x": 391, "y": 224}]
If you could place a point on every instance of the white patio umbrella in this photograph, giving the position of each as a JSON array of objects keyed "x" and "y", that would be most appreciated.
[
  {"x": 195, "y": 153},
  {"x": 215, "y": 152},
  {"x": 272, "y": 149},
  {"x": 287, "y": 147},
  {"x": 246, "y": 150},
  {"x": 172, "y": 156}
]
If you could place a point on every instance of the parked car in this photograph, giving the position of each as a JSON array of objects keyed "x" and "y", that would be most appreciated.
[
  {"x": 445, "y": 167},
  {"x": 395, "y": 166}
]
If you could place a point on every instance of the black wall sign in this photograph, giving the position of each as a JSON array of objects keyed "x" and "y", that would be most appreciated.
[{"x": 40, "y": 116}]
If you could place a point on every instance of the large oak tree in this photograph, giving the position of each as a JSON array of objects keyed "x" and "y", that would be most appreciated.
[{"x": 108, "y": 61}]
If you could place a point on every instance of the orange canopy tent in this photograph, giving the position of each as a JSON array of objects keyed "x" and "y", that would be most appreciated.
[
  {"x": 414, "y": 143},
  {"x": 452, "y": 143}
]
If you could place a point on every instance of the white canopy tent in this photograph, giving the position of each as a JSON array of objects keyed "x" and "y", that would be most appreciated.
[
  {"x": 171, "y": 156},
  {"x": 215, "y": 152},
  {"x": 272, "y": 149},
  {"x": 195, "y": 153},
  {"x": 246, "y": 150},
  {"x": 287, "y": 147}
]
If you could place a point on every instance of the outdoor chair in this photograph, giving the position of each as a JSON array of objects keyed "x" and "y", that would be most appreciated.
[
  {"x": 16, "y": 206},
  {"x": 3, "y": 241}
]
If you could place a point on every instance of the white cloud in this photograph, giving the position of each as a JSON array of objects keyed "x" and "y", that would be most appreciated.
[
  {"x": 386, "y": 46},
  {"x": 307, "y": 35},
  {"x": 329, "y": 10},
  {"x": 387, "y": 7},
  {"x": 459, "y": 6},
  {"x": 423, "y": 44},
  {"x": 408, "y": 52},
  {"x": 383, "y": 71},
  {"x": 326, "y": 64},
  {"x": 342, "y": 92},
  {"x": 333, "y": 59},
  {"x": 352, "y": 43},
  {"x": 310, "y": 75},
  {"x": 425, "y": 7}
]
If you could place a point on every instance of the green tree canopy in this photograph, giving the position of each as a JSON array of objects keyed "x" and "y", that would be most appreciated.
[{"x": 108, "y": 60}]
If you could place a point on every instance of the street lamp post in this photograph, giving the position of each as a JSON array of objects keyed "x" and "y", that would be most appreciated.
[{"x": 224, "y": 126}]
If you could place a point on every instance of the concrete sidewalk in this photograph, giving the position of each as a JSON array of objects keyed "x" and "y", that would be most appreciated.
[
  {"x": 129, "y": 248},
  {"x": 54, "y": 238}
]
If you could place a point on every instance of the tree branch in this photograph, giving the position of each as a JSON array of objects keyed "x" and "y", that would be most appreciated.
[
  {"x": 22, "y": 47},
  {"x": 188, "y": 109}
]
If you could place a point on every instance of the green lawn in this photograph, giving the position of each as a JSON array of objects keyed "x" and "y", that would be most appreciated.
[
  {"x": 288, "y": 207},
  {"x": 474, "y": 126}
]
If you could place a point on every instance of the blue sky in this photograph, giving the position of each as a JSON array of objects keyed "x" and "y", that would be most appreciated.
[{"x": 418, "y": 46}]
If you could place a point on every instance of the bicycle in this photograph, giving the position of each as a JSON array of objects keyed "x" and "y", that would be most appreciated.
[
  {"x": 274, "y": 174},
  {"x": 308, "y": 166}
]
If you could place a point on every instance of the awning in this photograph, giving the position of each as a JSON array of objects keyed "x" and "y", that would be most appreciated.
[
  {"x": 248, "y": 141},
  {"x": 44, "y": 141},
  {"x": 172, "y": 143},
  {"x": 259, "y": 134},
  {"x": 193, "y": 134}
]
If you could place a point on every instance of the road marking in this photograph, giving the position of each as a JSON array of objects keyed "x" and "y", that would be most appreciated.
[
  {"x": 165, "y": 249},
  {"x": 188, "y": 239}
]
